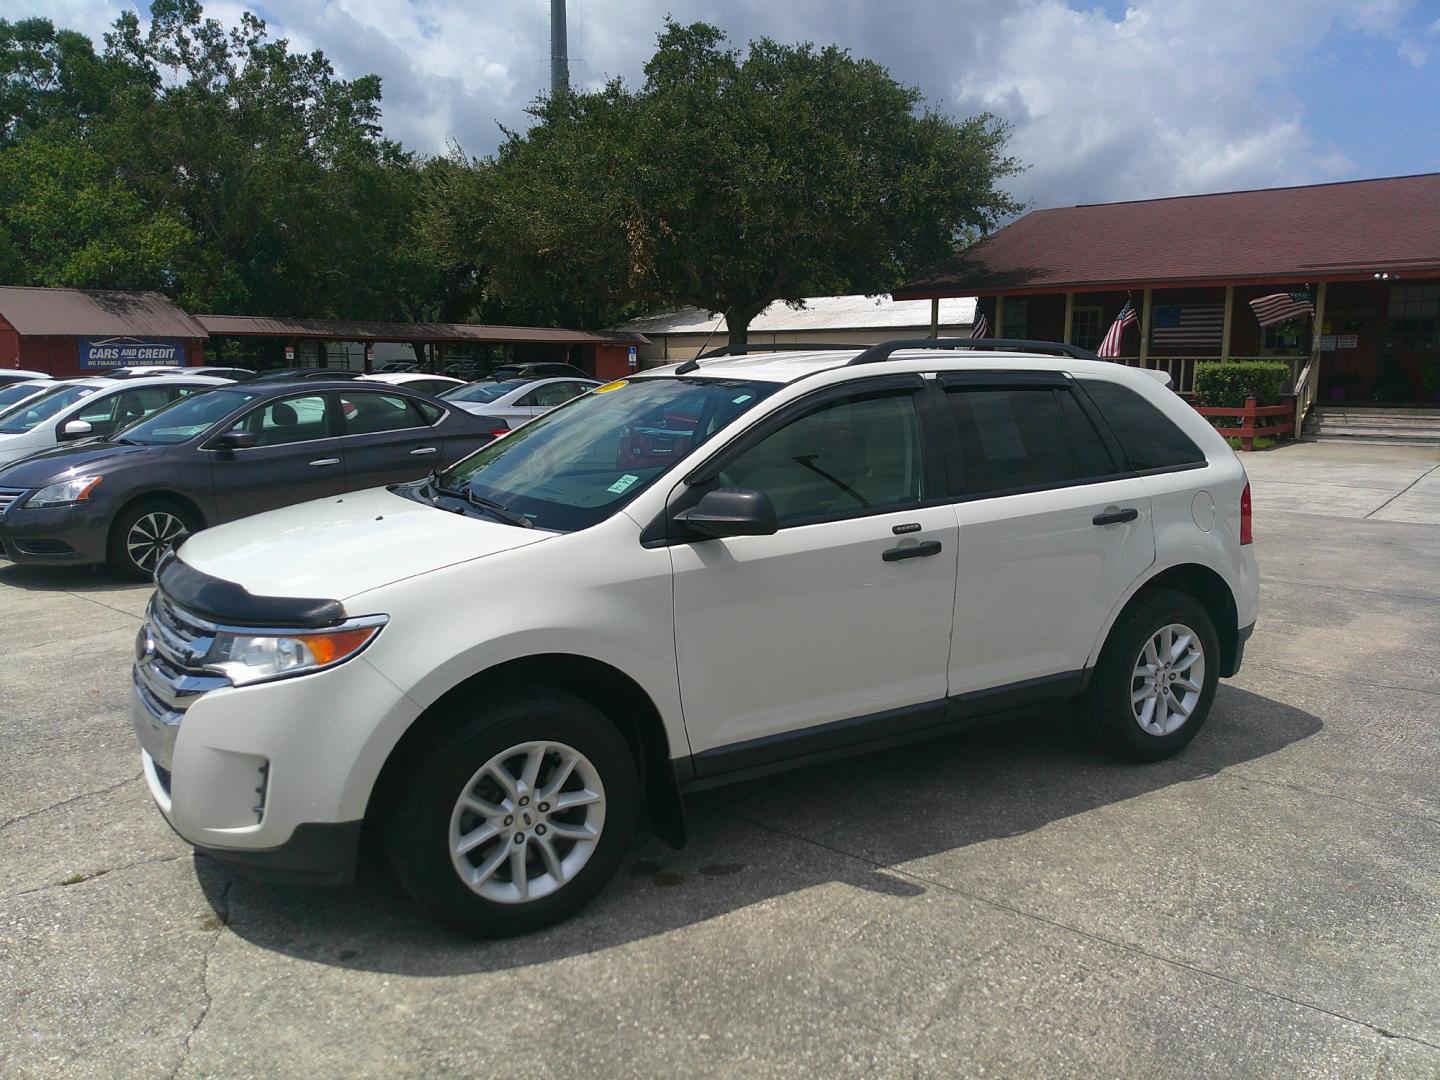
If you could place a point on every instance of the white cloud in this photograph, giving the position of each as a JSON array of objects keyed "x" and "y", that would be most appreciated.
[
  {"x": 1172, "y": 96},
  {"x": 1413, "y": 53}
]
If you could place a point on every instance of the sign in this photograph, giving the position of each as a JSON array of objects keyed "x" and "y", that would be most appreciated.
[
  {"x": 1347, "y": 341},
  {"x": 97, "y": 354},
  {"x": 1327, "y": 342},
  {"x": 634, "y": 357},
  {"x": 289, "y": 352}
]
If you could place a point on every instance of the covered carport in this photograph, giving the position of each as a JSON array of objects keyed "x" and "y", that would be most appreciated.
[{"x": 266, "y": 341}]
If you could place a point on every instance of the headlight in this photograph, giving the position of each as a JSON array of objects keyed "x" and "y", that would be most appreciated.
[
  {"x": 76, "y": 489},
  {"x": 250, "y": 658}
]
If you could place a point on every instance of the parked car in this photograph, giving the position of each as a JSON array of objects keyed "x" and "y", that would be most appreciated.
[
  {"x": 537, "y": 371},
  {"x": 400, "y": 366},
  {"x": 511, "y": 402},
  {"x": 88, "y": 408},
  {"x": 214, "y": 457},
  {"x": 465, "y": 370},
  {"x": 416, "y": 380},
  {"x": 12, "y": 393},
  {"x": 14, "y": 375},
  {"x": 291, "y": 374},
  {"x": 234, "y": 374},
  {"x": 693, "y": 576},
  {"x": 144, "y": 371}
]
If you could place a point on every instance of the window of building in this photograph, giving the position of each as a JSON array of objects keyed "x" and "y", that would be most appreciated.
[
  {"x": 1087, "y": 329},
  {"x": 1019, "y": 439},
  {"x": 1414, "y": 318},
  {"x": 1017, "y": 321},
  {"x": 1148, "y": 437}
]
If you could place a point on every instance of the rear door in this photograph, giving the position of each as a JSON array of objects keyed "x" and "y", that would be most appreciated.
[
  {"x": 1054, "y": 529},
  {"x": 388, "y": 439},
  {"x": 297, "y": 456}
]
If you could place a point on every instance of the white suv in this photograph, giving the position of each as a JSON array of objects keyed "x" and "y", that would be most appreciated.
[{"x": 688, "y": 577}]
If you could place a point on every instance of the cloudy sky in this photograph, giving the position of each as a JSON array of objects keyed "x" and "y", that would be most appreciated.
[{"x": 1108, "y": 100}]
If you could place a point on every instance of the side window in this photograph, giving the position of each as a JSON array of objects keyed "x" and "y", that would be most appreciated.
[
  {"x": 100, "y": 410},
  {"x": 1148, "y": 437},
  {"x": 303, "y": 418},
  {"x": 1015, "y": 439},
  {"x": 847, "y": 458},
  {"x": 370, "y": 414},
  {"x": 553, "y": 394},
  {"x": 428, "y": 412}
]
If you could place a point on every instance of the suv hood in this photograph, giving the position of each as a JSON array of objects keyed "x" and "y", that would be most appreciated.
[{"x": 338, "y": 547}]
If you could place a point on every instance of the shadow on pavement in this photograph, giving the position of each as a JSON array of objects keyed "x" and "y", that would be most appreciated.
[
  {"x": 64, "y": 578},
  {"x": 845, "y": 822}
]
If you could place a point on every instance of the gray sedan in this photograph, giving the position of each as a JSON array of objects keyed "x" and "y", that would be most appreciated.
[{"x": 511, "y": 402}]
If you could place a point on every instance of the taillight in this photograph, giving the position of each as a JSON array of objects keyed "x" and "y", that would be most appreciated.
[
  {"x": 495, "y": 433},
  {"x": 1246, "y": 536}
]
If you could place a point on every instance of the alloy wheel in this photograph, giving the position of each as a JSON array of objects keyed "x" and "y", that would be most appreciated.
[
  {"x": 1167, "y": 680},
  {"x": 527, "y": 822},
  {"x": 151, "y": 536}
]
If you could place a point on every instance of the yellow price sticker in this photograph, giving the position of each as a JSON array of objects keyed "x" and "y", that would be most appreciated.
[{"x": 616, "y": 385}]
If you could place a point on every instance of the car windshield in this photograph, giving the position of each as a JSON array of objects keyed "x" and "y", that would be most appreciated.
[
  {"x": 485, "y": 391},
  {"x": 182, "y": 420},
  {"x": 580, "y": 463},
  {"x": 13, "y": 392},
  {"x": 31, "y": 414}
]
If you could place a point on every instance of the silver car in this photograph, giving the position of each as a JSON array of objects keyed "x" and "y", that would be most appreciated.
[{"x": 511, "y": 402}]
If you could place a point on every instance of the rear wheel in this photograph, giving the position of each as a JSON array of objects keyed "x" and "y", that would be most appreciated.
[
  {"x": 142, "y": 534},
  {"x": 516, "y": 816},
  {"x": 1156, "y": 679}
]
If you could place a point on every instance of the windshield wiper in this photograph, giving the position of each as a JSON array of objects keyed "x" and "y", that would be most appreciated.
[{"x": 490, "y": 506}]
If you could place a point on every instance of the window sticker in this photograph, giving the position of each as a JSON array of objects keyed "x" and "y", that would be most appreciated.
[
  {"x": 616, "y": 385},
  {"x": 741, "y": 399},
  {"x": 620, "y": 485}
]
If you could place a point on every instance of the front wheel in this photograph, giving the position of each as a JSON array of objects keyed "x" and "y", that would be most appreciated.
[
  {"x": 517, "y": 816},
  {"x": 143, "y": 534},
  {"x": 1156, "y": 679}
]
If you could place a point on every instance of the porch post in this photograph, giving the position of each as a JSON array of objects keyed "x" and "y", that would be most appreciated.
[
  {"x": 999, "y": 315},
  {"x": 934, "y": 316},
  {"x": 1319, "y": 315},
  {"x": 1225, "y": 330},
  {"x": 1069, "y": 317},
  {"x": 1145, "y": 326}
]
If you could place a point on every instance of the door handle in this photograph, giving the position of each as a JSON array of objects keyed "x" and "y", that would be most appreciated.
[
  {"x": 922, "y": 550},
  {"x": 326, "y": 461},
  {"x": 1115, "y": 517},
  {"x": 423, "y": 450}
]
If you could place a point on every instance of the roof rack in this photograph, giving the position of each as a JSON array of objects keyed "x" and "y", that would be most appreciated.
[
  {"x": 743, "y": 350},
  {"x": 878, "y": 353}
]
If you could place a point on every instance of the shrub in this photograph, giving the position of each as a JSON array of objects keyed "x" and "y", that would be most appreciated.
[{"x": 1225, "y": 384}]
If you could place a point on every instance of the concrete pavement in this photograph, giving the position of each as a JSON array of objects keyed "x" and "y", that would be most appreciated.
[{"x": 1004, "y": 903}]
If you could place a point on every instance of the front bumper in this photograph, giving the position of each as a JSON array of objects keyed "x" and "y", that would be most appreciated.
[{"x": 55, "y": 535}]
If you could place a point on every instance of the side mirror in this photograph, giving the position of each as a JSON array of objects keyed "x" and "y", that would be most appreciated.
[
  {"x": 76, "y": 429},
  {"x": 236, "y": 440},
  {"x": 731, "y": 512}
]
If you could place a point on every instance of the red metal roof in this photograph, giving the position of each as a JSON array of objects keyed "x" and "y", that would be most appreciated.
[
  {"x": 1297, "y": 234},
  {"x": 360, "y": 330},
  {"x": 60, "y": 312}
]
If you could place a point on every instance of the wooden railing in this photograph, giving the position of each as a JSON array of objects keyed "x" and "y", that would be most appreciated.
[
  {"x": 1181, "y": 369},
  {"x": 1307, "y": 383},
  {"x": 1273, "y": 421}
]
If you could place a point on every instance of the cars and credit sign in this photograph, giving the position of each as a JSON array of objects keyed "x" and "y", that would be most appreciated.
[{"x": 96, "y": 354}]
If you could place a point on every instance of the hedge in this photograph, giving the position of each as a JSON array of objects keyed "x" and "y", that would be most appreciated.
[{"x": 1226, "y": 384}]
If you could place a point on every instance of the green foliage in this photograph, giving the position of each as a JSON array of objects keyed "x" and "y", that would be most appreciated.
[
  {"x": 730, "y": 181},
  {"x": 1226, "y": 384}
]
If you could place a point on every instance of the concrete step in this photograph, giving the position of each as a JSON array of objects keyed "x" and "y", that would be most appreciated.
[{"x": 1413, "y": 436}]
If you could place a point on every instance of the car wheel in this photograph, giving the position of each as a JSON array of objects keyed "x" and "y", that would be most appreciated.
[
  {"x": 1152, "y": 689},
  {"x": 144, "y": 533},
  {"x": 517, "y": 815}
]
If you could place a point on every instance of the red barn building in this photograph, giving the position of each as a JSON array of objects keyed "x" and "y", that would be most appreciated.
[{"x": 69, "y": 332}]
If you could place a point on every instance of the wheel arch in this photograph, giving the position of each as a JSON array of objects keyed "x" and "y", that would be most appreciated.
[
  {"x": 1207, "y": 586},
  {"x": 606, "y": 687},
  {"x": 159, "y": 495}
]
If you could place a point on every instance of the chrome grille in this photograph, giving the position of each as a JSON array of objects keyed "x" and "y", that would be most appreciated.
[
  {"x": 8, "y": 497},
  {"x": 168, "y": 676}
]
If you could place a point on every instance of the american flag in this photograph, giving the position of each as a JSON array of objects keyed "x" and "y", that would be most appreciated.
[
  {"x": 1282, "y": 307},
  {"x": 1127, "y": 317},
  {"x": 981, "y": 327},
  {"x": 1187, "y": 325}
]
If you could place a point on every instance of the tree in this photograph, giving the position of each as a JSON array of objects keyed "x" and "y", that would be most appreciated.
[{"x": 729, "y": 182}]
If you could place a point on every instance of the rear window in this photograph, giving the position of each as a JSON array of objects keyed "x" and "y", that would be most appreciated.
[{"x": 1149, "y": 438}]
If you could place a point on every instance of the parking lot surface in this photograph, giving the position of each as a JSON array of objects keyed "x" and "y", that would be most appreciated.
[{"x": 1004, "y": 902}]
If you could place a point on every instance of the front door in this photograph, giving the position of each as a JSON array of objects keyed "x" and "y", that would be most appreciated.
[
  {"x": 841, "y": 615},
  {"x": 297, "y": 456},
  {"x": 1051, "y": 534}
]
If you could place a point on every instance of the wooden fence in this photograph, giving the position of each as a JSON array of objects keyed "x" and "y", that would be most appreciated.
[{"x": 1272, "y": 421}]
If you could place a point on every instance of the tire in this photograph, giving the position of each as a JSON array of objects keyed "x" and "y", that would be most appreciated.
[
  {"x": 430, "y": 821},
  {"x": 1111, "y": 712},
  {"x": 165, "y": 522}
]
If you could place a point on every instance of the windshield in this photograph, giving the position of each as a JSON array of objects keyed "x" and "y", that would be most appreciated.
[
  {"x": 19, "y": 391},
  {"x": 578, "y": 464},
  {"x": 184, "y": 419},
  {"x": 485, "y": 391},
  {"x": 31, "y": 414}
]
